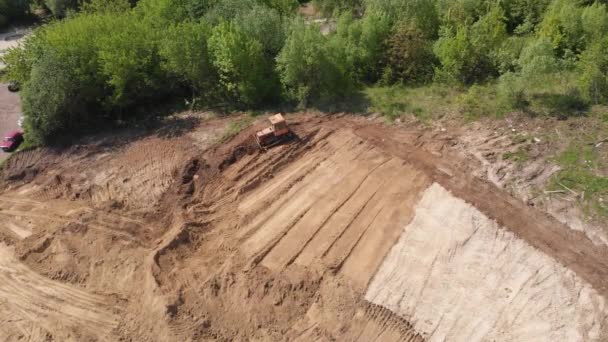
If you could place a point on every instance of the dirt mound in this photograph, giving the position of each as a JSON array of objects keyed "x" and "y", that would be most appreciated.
[{"x": 346, "y": 233}]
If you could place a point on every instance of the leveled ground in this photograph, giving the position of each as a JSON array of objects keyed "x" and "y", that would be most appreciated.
[{"x": 353, "y": 231}]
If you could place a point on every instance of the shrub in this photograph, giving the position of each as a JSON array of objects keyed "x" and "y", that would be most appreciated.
[
  {"x": 409, "y": 55},
  {"x": 593, "y": 72},
  {"x": 186, "y": 55},
  {"x": 54, "y": 99},
  {"x": 307, "y": 69},
  {"x": 59, "y": 8},
  {"x": 468, "y": 53},
  {"x": 245, "y": 76},
  {"x": 562, "y": 26},
  {"x": 511, "y": 92},
  {"x": 129, "y": 61},
  {"x": 358, "y": 45}
]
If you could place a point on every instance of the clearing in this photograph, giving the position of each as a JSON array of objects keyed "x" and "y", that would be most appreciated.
[{"x": 354, "y": 231}]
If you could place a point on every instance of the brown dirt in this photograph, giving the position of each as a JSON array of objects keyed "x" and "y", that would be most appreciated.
[{"x": 167, "y": 237}]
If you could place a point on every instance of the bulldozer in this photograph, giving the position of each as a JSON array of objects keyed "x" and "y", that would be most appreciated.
[{"x": 277, "y": 133}]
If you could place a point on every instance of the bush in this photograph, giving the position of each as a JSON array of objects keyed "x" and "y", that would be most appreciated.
[
  {"x": 563, "y": 27},
  {"x": 468, "y": 53},
  {"x": 54, "y": 100},
  {"x": 59, "y": 8},
  {"x": 245, "y": 76},
  {"x": 307, "y": 69},
  {"x": 593, "y": 71},
  {"x": 409, "y": 56},
  {"x": 185, "y": 55},
  {"x": 511, "y": 92},
  {"x": 358, "y": 45}
]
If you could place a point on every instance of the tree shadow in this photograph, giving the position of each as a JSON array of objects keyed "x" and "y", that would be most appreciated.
[
  {"x": 562, "y": 106},
  {"x": 356, "y": 103}
]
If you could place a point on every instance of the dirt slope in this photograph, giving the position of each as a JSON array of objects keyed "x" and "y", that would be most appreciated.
[{"x": 354, "y": 231}]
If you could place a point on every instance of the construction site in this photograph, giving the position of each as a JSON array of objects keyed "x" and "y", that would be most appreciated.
[{"x": 350, "y": 230}]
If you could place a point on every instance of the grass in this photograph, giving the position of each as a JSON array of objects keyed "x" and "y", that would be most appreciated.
[
  {"x": 520, "y": 156},
  {"x": 236, "y": 126},
  {"x": 424, "y": 102},
  {"x": 580, "y": 162}
]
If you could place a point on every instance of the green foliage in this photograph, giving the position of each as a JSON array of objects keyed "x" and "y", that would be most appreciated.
[
  {"x": 523, "y": 16},
  {"x": 424, "y": 13},
  {"x": 359, "y": 44},
  {"x": 468, "y": 53},
  {"x": 329, "y": 7},
  {"x": 409, "y": 56},
  {"x": 60, "y": 8},
  {"x": 129, "y": 61},
  {"x": 265, "y": 25},
  {"x": 185, "y": 55},
  {"x": 537, "y": 58},
  {"x": 245, "y": 76},
  {"x": 54, "y": 99},
  {"x": 511, "y": 92},
  {"x": 579, "y": 163},
  {"x": 563, "y": 27},
  {"x": 307, "y": 68},
  {"x": 593, "y": 71}
]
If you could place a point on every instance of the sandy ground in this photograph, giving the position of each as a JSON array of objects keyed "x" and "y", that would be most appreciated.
[
  {"x": 451, "y": 259},
  {"x": 354, "y": 231}
]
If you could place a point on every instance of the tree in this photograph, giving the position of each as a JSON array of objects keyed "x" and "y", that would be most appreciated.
[
  {"x": 593, "y": 72},
  {"x": 409, "y": 55},
  {"x": 245, "y": 76},
  {"x": 468, "y": 53},
  {"x": 185, "y": 54},
  {"x": 307, "y": 69}
]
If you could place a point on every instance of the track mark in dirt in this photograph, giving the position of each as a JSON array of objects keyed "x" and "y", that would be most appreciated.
[
  {"x": 51, "y": 304},
  {"x": 432, "y": 276}
]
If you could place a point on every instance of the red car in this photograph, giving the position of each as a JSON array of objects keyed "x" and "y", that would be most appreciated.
[{"x": 11, "y": 141}]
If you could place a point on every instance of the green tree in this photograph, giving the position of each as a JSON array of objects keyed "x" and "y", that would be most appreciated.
[
  {"x": 409, "y": 55},
  {"x": 59, "y": 8},
  {"x": 469, "y": 53},
  {"x": 562, "y": 26},
  {"x": 245, "y": 76},
  {"x": 307, "y": 69},
  {"x": 185, "y": 54},
  {"x": 593, "y": 72}
]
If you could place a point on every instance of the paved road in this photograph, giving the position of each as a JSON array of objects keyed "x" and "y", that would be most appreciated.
[{"x": 10, "y": 108}]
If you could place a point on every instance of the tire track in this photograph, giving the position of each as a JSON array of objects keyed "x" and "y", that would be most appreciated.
[{"x": 50, "y": 304}]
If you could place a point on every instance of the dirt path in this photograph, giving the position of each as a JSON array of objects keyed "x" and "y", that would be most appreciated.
[{"x": 354, "y": 231}]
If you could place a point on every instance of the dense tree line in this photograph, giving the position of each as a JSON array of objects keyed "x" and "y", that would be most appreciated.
[{"x": 112, "y": 55}]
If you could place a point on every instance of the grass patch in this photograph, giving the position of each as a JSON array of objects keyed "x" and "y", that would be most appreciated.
[
  {"x": 580, "y": 162},
  {"x": 236, "y": 126},
  {"x": 424, "y": 102},
  {"x": 520, "y": 156},
  {"x": 481, "y": 101}
]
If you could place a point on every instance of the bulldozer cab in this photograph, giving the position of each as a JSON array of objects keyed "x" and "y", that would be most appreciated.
[{"x": 278, "y": 124}]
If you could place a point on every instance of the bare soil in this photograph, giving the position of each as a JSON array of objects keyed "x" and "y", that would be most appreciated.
[{"x": 352, "y": 231}]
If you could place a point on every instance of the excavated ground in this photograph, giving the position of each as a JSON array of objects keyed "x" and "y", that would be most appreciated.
[{"x": 353, "y": 231}]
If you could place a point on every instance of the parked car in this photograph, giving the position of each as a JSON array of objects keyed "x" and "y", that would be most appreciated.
[{"x": 11, "y": 141}]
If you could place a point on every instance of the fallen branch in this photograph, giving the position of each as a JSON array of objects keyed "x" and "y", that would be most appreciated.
[
  {"x": 567, "y": 188},
  {"x": 555, "y": 192}
]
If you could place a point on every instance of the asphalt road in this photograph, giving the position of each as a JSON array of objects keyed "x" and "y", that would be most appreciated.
[{"x": 10, "y": 108}]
